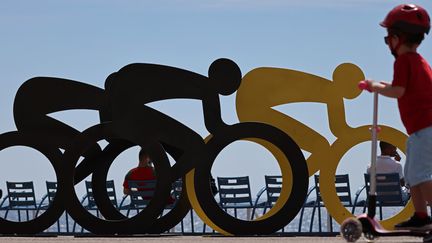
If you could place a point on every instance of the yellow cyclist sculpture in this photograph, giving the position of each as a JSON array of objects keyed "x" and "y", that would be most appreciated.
[{"x": 264, "y": 88}]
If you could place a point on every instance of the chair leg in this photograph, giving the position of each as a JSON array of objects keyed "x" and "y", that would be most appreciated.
[
  {"x": 192, "y": 221},
  {"x": 381, "y": 213},
  {"x": 365, "y": 205},
  {"x": 67, "y": 222},
  {"x": 182, "y": 226},
  {"x": 312, "y": 218},
  {"x": 74, "y": 225},
  {"x": 253, "y": 213},
  {"x": 329, "y": 222},
  {"x": 27, "y": 215},
  {"x": 353, "y": 210},
  {"x": 301, "y": 219},
  {"x": 6, "y": 214},
  {"x": 58, "y": 226},
  {"x": 319, "y": 218}
]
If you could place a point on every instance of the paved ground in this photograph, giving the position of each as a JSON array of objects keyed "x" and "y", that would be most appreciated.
[{"x": 194, "y": 239}]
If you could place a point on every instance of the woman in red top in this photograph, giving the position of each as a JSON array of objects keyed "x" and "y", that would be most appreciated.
[{"x": 144, "y": 171}]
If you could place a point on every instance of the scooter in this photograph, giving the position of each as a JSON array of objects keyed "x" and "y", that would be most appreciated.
[{"x": 352, "y": 228}]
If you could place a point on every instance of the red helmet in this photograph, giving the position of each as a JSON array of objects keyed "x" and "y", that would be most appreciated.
[{"x": 409, "y": 18}]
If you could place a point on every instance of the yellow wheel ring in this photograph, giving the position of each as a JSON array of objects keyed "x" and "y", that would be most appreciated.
[{"x": 333, "y": 157}]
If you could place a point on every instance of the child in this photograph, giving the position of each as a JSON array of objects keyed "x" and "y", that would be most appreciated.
[{"x": 406, "y": 25}]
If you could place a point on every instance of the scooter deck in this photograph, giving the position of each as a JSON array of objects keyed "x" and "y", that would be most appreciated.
[{"x": 377, "y": 229}]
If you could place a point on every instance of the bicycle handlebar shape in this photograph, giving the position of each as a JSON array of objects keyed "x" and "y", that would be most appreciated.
[{"x": 125, "y": 122}]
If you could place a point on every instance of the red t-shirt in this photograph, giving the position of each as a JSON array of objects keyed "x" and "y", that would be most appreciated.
[
  {"x": 138, "y": 174},
  {"x": 412, "y": 72},
  {"x": 142, "y": 173}
]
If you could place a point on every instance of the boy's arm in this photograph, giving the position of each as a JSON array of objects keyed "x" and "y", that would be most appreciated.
[{"x": 386, "y": 89}]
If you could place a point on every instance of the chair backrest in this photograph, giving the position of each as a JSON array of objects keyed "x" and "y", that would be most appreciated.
[
  {"x": 234, "y": 190},
  {"x": 21, "y": 194},
  {"x": 51, "y": 190},
  {"x": 342, "y": 186},
  {"x": 388, "y": 189},
  {"x": 110, "y": 190},
  {"x": 273, "y": 188},
  {"x": 141, "y": 192}
]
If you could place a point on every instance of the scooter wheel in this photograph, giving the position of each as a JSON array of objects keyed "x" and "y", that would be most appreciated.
[
  {"x": 351, "y": 229},
  {"x": 369, "y": 237}
]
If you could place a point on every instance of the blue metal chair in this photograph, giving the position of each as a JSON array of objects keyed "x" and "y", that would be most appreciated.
[
  {"x": 273, "y": 186},
  {"x": 388, "y": 191},
  {"x": 358, "y": 203},
  {"x": 46, "y": 201},
  {"x": 141, "y": 192},
  {"x": 307, "y": 204},
  {"x": 91, "y": 204},
  {"x": 20, "y": 196},
  {"x": 343, "y": 191},
  {"x": 234, "y": 193}
]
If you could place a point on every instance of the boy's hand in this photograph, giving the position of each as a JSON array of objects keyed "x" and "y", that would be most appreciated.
[
  {"x": 373, "y": 86},
  {"x": 382, "y": 88},
  {"x": 365, "y": 85}
]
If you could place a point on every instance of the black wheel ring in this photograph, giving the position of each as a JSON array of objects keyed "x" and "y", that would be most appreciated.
[
  {"x": 299, "y": 171},
  {"x": 160, "y": 225},
  {"x": 56, "y": 208},
  {"x": 135, "y": 225}
]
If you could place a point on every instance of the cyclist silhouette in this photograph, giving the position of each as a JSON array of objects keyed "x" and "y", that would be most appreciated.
[
  {"x": 127, "y": 121},
  {"x": 258, "y": 89},
  {"x": 129, "y": 90},
  {"x": 137, "y": 84},
  {"x": 277, "y": 86},
  {"x": 38, "y": 97}
]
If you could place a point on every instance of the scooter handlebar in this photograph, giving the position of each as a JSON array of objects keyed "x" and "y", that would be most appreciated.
[{"x": 363, "y": 85}]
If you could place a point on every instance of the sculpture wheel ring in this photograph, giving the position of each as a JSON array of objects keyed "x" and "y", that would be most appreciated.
[
  {"x": 208, "y": 209},
  {"x": 137, "y": 224},
  {"x": 56, "y": 209}
]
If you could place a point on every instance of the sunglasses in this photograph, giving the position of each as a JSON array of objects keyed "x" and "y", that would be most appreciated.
[{"x": 387, "y": 38}]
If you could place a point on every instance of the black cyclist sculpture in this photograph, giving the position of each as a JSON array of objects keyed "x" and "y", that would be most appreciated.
[{"x": 126, "y": 121}]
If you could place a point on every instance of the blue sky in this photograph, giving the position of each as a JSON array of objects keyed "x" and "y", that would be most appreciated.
[{"x": 88, "y": 40}]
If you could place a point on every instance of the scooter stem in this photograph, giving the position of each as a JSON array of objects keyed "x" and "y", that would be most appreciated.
[
  {"x": 372, "y": 190},
  {"x": 372, "y": 171}
]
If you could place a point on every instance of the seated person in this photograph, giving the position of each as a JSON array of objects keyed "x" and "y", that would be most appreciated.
[
  {"x": 144, "y": 171},
  {"x": 386, "y": 164}
]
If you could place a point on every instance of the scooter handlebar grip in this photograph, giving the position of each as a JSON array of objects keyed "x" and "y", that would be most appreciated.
[{"x": 363, "y": 85}]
